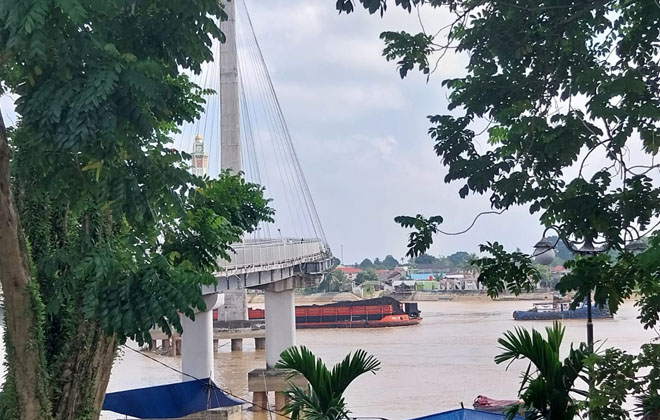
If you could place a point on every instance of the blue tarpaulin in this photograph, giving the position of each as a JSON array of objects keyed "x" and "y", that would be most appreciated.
[
  {"x": 465, "y": 414},
  {"x": 168, "y": 401}
]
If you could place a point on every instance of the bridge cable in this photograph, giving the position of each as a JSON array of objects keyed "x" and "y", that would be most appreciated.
[
  {"x": 277, "y": 137},
  {"x": 250, "y": 103},
  {"x": 275, "y": 123},
  {"x": 281, "y": 160},
  {"x": 287, "y": 137}
]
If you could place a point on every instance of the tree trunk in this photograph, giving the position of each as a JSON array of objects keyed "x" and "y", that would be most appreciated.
[
  {"x": 22, "y": 305},
  {"x": 84, "y": 375}
]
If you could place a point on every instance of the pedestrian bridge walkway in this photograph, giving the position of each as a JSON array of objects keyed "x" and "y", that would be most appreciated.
[{"x": 258, "y": 262}]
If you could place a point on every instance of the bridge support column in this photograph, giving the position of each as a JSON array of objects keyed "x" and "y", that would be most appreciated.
[
  {"x": 280, "y": 323},
  {"x": 259, "y": 343},
  {"x": 236, "y": 344},
  {"x": 280, "y": 401},
  {"x": 197, "y": 341},
  {"x": 259, "y": 401},
  {"x": 235, "y": 306}
]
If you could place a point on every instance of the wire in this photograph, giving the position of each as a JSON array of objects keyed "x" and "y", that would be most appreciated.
[
  {"x": 472, "y": 224},
  {"x": 197, "y": 379}
]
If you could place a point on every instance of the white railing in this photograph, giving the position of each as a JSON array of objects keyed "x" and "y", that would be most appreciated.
[{"x": 260, "y": 255}]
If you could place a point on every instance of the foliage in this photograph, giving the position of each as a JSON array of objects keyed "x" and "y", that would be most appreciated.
[
  {"x": 323, "y": 399},
  {"x": 613, "y": 375},
  {"x": 366, "y": 264},
  {"x": 334, "y": 281},
  {"x": 617, "y": 375},
  {"x": 366, "y": 276},
  {"x": 506, "y": 271},
  {"x": 421, "y": 238},
  {"x": 548, "y": 386},
  {"x": 648, "y": 398},
  {"x": 565, "y": 91},
  {"x": 123, "y": 236},
  {"x": 390, "y": 262},
  {"x": 459, "y": 259},
  {"x": 545, "y": 274},
  {"x": 561, "y": 251},
  {"x": 560, "y": 86},
  {"x": 425, "y": 259}
]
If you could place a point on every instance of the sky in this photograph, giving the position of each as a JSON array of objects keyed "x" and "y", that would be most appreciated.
[{"x": 360, "y": 131}]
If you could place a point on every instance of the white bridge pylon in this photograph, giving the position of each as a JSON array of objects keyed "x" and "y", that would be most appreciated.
[{"x": 243, "y": 130}]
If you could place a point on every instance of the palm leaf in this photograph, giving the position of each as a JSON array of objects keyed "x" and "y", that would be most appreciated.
[
  {"x": 353, "y": 365},
  {"x": 303, "y": 361},
  {"x": 323, "y": 399}
]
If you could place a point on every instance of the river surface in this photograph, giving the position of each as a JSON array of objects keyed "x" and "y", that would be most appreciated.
[{"x": 432, "y": 367}]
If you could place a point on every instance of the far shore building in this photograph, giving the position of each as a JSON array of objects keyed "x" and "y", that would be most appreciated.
[{"x": 351, "y": 272}]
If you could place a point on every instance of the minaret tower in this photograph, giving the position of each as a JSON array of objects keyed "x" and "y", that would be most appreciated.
[{"x": 200, "y": 159}]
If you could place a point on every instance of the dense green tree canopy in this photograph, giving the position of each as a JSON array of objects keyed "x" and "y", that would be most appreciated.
[
  {"x": 459, "y": 259},
  {"x": 365, "y": 276},
  {"x": 561, "y": 251},
  {"x": 390, "y": 262},
  {"x": 122, "y": 236},
  {"x": 366, "y": 264},
  {"x": 425, "y": 259}
]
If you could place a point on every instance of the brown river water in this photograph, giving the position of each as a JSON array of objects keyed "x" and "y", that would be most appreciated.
[{"x": 431, "y": 367}]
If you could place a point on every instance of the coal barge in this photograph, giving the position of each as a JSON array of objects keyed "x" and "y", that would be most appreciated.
[{"x": 369, "y": 313}]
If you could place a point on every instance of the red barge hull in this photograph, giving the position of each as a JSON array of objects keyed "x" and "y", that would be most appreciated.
[{"x": 370, "y": 313}]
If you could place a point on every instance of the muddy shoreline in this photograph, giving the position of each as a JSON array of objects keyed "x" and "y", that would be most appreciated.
[{"x": 463, "y": 296}]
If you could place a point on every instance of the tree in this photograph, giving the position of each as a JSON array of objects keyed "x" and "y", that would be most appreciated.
[
  {"x": 563, "y": 90},
  {"x": 106, "y": 233},
  {"x": 334, "y": 281},
  {"x": 602, "y": 56},
  {"x": 324, "y": 397},
  {"x": 390, "y": 262},
  {"x": 366, "y": 264},
  {"x": 561, "y": 251},
  {"x": 548, "y": 387},
  {"x": 459, "y": 259},
  {"x": 425, "y": 259},
  {"x": 365, "y": 276}
]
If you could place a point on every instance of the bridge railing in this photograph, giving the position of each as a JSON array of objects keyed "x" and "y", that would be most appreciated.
[{"x": 257, "y": 255}]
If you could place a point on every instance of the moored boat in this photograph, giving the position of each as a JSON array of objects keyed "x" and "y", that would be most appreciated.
[
  {"x": 560, "y": 309},
  {"x": 370, "y": 313}
]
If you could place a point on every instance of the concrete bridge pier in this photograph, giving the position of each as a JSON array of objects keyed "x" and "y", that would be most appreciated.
[
  {"x": 280, "y": 322},
  {"x": 280, "y": 335},
  {"x": 260, "y": 343},
  {"x": 197, "y": 341},
  {"x": 236, "y": 344}
]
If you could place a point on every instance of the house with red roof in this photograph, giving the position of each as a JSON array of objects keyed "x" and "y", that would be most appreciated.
[{"x": 351, "y": 272}]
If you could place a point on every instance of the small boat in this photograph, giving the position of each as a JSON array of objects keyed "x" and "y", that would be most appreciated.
[
  {"x": 490, "y": 405},
  {"x": 560, "y": 309},
  {"x": 370, "y": 313}
]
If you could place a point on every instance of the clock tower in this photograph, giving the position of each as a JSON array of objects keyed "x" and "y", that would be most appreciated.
[{"x": 200, "y": 158}]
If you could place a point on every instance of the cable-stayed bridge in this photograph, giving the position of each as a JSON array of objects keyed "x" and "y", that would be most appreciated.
[{"x": 243, "y": 129}]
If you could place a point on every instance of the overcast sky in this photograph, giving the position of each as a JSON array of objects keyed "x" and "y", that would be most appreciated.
[{"x": 361, "y": 132}]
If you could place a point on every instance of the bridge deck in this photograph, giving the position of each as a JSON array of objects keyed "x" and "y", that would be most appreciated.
[{"x": 257, "y": 263}]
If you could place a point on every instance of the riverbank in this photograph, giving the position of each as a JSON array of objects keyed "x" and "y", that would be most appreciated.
[{"x": 459, "y": 296}]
